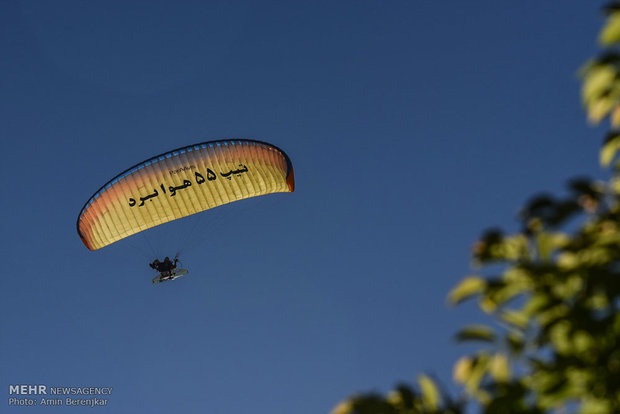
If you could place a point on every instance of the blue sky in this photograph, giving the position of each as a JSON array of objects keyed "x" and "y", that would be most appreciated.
[{"x": 412, "y": 127}]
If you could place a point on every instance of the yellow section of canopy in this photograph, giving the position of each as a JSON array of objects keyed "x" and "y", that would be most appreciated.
[{"x": 180, "y": 183}]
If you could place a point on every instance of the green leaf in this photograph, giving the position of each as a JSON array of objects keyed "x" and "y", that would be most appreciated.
[
  {"x": 552, "y": 314},
  {"x": 430, "y": 392},
  {"x": 597, "y": 300},
  {"x": 499, "y": 368},
  {"x": 537, "y": 303},
  {"x": 548, "y": 243},
  {"x": 344, "y": 407},
  {"x": 476, "y": 333},
  {"x": 365, "y": 404},
  {"x": 516, "y": 318},
  {"x": 567, "y": 261},
  {"x": 611, "y": 31},
  {"x": 462, "y": 369},
  {"x": 500, "y": 292},
  {"x": 583, "y": 342},
  {"x": 403, "y": 398},
  {"x": 597, "y": 80},
  {"x": 568, "y": 287},
  {"x": 515, "y": 247},
  {"x": 468, "y": 287},
  {"x": 595, "y": 406},
  {"x": 517, "y": 275},
  {"x": 609, "y": 149},
  {"x": 515, "y": 342},
  {"x": 560, "y": 337},
  {"x": 478, "y": 369},
  {"x": 494, "y": 247},
  {"x": 599, "y": 108}
]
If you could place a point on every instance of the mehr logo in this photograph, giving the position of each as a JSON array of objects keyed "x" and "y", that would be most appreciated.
[
  {"x": 27, "y": 389},
  {"x": 74, "y": 396}
]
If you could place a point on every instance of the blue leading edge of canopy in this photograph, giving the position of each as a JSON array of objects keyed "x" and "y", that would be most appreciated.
[{"x": 175, "y": 152}]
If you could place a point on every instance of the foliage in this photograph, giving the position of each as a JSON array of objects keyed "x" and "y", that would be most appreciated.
[
  {"x": 554, "y": 342},
  {"x": 426, "y": 398}
]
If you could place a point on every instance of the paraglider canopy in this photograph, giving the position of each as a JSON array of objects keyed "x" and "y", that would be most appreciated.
[{"x": 182, "y": 182}]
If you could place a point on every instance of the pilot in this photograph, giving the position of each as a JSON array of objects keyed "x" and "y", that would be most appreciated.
[{"x": 165, "y": 267}]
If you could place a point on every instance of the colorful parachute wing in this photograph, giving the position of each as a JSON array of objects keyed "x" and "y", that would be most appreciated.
[{"x": 180, "y": 183}]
